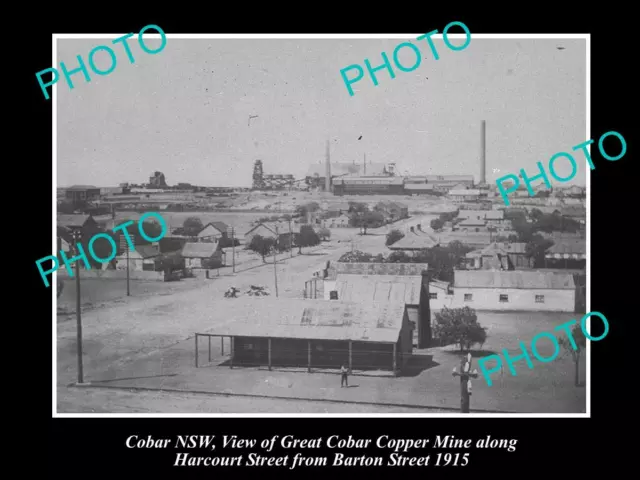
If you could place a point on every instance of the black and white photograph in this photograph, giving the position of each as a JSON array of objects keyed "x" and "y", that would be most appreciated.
[{"x": 312, "y": 225}]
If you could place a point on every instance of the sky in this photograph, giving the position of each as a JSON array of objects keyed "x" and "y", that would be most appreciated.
[{"x": 185, "y": 111}]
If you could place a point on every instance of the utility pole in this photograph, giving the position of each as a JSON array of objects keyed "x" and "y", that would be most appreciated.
[
  {"x": 290, "y": 240},
  {"x": 77, "y": 237},
  {"x": 233, "y": 248},
  {"x": 128, "y": 286},
  {"x": 275, "y": 270},
  {"x": 465, "y": 382}
]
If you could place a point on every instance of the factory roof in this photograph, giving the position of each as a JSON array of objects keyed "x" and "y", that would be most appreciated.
[
  {"x": 521, "y": 279},
  {"x": 81, "y": 188},
  {"x": 310, "y": 319},
  {"x": 418, "y": 186},
  {"x": 486, "y": 214},
  {"x": 346, "y": 168},
  {"x": 449, "y": 178},
  {"x": 379, "y": 288},
  {"x": 464, "y": 192},
  {"x": 371, "y": 268},
  {"x": 73, "y": 220},
  {"x": 381, "y": 180}
]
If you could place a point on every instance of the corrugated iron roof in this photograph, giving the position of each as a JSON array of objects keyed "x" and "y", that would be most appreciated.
[
  {"x": 344, "y": 168},
  {"x": 571, "y": 246},
  {"x": 311, "y": 319},
  {"x": 520, "y": 279},
  {"x": 449, "y": 178},
  {"x": 485, "y": 214},
  {"x": 380, "y": 268},
  {"x": 220, "y": 226},
  {"x": 379, "y": 288},
  {"x": 464, "y": 192},
  {"x": 199, "y": 250},
  {"x": 73, "y": 220},
  {"x": 413, "y": 241}
]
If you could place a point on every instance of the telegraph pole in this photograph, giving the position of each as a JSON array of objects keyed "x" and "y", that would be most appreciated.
[
  {"x": 128, "y": 286},
  {"x": 465, "y": 382},
  {"x": 290, "y": 240},
  {"x": 233, "y": 247},
  {"x": 76, "y": 237},
  {"x": 275, "y": 270}
]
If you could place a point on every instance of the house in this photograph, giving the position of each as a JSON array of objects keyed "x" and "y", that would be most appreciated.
[
  {"x": 79, "y": 194},
  {"x": 414, "y": 241},
  {"x": 393, "y": 211},
  {"x": 567, "y": 253},
  {"x": 440, "y": 295},
  {"x": 380, "y": 282},
  {"x": 213, "y": 232},
  {"x": 471, "y": 225},
  {"x": 472, "y": 239},
  {"x": 144, "y": 257},
  {"x": 77, "y": 222},
  {"x": 514, "y": 290},
  {"x": 491, "y": 217},
  {"x": 268, "y": 230},
  {"x": 202, "y": 255},
  {"x": 315, "y": 334},
  {"x": 469, "y": 195},
  {"x": 500, "y": 256},
  {"x": 336, "y": 222}
]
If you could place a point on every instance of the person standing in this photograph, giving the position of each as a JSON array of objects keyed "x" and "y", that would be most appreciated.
[{"x": 344, "y": 372}]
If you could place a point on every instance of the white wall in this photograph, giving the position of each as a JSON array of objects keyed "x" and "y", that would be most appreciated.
[
  {"x": 443, "y": 299},
  {"x": 328, "y": 286},
  {"x": 519, "y": 299}
]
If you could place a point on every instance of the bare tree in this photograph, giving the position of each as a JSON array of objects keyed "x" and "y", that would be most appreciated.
[{"x": 575, "y": 348}]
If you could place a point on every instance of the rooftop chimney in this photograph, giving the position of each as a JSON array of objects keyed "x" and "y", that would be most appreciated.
[{"x": 483, "y": 153}]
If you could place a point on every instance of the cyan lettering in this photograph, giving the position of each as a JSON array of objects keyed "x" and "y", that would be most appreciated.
[
  {"x": 415, "y": 50},
  {"x": 567, "y": 329},
  {"x": 348, "y": 82},
  {"x": 123, "y": 227},
  {"x": 162, "y": 36},
  {"x": 427, "y": 37},
  {"x": 511, "y": 361},
  {"x": 486, "y": 372},
  {"x": 124, "y": 39},
  {"x": 82, "y": 68},
  {"x": 372, "y": 71},
  {"x": 160, "y": 220},
  {"x": 556, "y": 347},
  {"x": 583, "y": 147},
  {"x": 54, "y": 79},
  {"x": 574, "y": 166},
  {"x": 528, "y": 180},
  {"x": 43, "y": 273},
  {"x": 583, "y": 325},
  {"x": 466, "y": 31},
  {"x": 68, "y": 262},
  {"x": 114, "y": 247},
  {"x": 505, "y": 193},
  {"x": 622, "y": 141},
  {"x": 111, "y": 54}
]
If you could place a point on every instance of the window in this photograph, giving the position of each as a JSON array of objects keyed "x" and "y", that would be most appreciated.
[
  {"x": 468, "y": 297},
  {"x": 333, "y": 295},
  {"x": 433, "y": 296},
  {"x": 539, "y": 298},
  {"x": 504, "y": 298}
]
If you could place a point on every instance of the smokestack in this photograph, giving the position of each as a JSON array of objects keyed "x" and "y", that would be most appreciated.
[
  {"x": 483, "y": 152},
  {"x": 327, "y": 181}
]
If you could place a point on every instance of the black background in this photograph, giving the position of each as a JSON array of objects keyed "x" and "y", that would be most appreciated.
[{"x": 86, "y": 448}]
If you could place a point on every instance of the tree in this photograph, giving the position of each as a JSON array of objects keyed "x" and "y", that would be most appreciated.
[
  {"x": 437, "y": 223},
  {"x": 459, "y": 326},
  {"x": 393, "y": 236},
  {"x": 192, "y": 226},
  {"x": 262, "y": 245},
  {"x": 226, "y": 242},
  {"x": 307, "y": 238},
  {"x": 537, "y": 248},
  {"x": 151, "y": 229},
  {"x": 366, "y": 219},
  {"x": 307, "y": 208},
  {"x": 324, "y": 233},
  {"x": 575, "y": 351}
]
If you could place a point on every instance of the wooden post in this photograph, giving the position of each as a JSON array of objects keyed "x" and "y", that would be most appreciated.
[
  {"x": 269, "y": 340},
  {"x": 350, "y": 355},
  {"x": 394, "y": 358},
  {"x": 222, "y": 345},
  {"x": 196, "y": 350},
  {"x": 231, "y": 352},
  {"x": 309, "y": 355},
  {"x": 209, "y": 338}
]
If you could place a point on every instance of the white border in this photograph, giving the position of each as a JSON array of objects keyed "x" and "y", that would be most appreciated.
[{"x": 55, "y": 414}]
